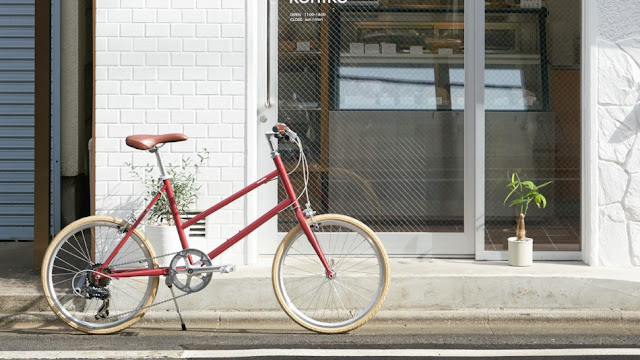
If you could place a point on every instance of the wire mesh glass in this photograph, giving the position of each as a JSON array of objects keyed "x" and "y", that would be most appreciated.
[
  {"x": 375, "y": 90},
  {"x": 532, "y": 122}
]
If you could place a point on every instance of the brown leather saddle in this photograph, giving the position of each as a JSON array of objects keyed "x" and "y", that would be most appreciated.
[{"x": 146, "y": 142}]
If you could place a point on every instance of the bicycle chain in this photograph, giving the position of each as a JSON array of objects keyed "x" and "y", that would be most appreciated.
[
  {"x": 144, "y": 260},
  {"x": 152, "y": 305},
  {"x": 155, "y": 304}
]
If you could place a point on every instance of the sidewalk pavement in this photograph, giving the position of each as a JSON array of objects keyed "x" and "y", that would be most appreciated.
[{"x": 425, "y": 290}]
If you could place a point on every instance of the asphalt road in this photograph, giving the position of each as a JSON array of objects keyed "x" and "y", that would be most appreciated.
[{"x": 400, "y": 340}]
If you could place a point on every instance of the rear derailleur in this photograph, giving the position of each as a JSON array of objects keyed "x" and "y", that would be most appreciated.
[{"x": 91, "y": 286}]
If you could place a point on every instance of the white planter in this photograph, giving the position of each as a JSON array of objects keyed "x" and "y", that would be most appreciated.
[
  {"x": 520, "y": 252},
  {"x": 165, "y": 240}
]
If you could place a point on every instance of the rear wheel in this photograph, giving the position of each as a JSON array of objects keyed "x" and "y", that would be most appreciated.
[
  {"x": 90, "y": 304},
  {"x": 331, "y": 305}
]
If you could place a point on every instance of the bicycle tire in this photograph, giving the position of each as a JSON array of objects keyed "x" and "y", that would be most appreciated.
[
  {"x": 331, "y": 306},
  {"x": 81, "y": 246}
]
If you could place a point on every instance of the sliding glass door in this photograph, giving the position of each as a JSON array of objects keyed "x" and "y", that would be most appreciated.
[{"x": 411, "y": 116}]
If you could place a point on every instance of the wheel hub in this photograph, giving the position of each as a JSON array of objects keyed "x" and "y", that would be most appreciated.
[{"x": 98, "y": 280}]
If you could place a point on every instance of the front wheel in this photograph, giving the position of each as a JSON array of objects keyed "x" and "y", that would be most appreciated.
[{"x": 331, "y": 305}]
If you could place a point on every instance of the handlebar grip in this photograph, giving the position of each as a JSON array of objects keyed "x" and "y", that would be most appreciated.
[{"x": 280, "y": 128}]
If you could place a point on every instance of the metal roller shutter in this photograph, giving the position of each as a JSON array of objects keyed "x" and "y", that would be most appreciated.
[{"x": 17, "y": 32}]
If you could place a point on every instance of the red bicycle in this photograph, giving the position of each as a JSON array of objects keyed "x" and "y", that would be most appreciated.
[{"x": 330, "y": 273}]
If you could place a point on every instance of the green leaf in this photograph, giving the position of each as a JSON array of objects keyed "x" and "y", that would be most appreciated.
[
  {"x": 545, "y": 184},
  {"x": 544, "y": 201},
  {"x": 513, "y": 184},
  {"x": 538, "y": 200},
  {"x": 528, "y": 184},
  {"x": 508, "y": 196},
  {"x": 518, "y": 201}
]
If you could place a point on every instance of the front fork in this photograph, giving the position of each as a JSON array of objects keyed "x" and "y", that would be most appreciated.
[{"x": 311, "y": 236}]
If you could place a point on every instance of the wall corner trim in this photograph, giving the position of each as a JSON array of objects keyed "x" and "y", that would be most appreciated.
[{"x": 590, "y": 183}]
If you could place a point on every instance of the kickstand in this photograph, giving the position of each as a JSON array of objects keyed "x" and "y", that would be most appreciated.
[{"x": 170, "y": 286}]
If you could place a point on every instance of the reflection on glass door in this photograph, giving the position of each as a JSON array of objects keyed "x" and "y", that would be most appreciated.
[{"x": 374, "y": 89}]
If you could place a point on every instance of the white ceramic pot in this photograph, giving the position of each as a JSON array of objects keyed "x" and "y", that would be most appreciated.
[
  {"x": 165, "y": 240},
  {"x": 520, "y": 252}
]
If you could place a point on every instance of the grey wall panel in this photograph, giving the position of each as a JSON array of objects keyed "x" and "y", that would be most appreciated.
[{"x": 17, "y": 33}]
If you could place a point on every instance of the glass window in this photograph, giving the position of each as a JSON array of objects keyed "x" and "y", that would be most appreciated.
[
  {"x": 504, "y": 90},
  {"x": 387, "y": 88}
]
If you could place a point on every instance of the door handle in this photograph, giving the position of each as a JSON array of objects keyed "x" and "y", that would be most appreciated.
[{"x": 267, "y": 102}]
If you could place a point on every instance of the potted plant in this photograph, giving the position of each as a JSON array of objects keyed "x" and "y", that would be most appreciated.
[
  {"x": 159, "y": 228},
  {"x": 522, "y": 193}
]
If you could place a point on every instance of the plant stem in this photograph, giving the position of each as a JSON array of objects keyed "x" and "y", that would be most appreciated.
[{"x": 520, "y": 230}]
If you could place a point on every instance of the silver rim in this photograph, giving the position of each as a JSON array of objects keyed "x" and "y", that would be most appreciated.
[
  {"x": 332, "y": 303},
  {"x": 72, "y": 257}
]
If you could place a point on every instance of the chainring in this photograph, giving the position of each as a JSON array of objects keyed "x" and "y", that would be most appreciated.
[{"x": 181, "y": 267}]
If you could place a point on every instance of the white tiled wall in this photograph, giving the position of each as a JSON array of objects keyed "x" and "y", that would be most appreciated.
[{"x": 171, "y": 66}]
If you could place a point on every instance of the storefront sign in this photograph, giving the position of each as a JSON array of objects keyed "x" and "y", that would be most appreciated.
[{"x": 318, "y": 1}]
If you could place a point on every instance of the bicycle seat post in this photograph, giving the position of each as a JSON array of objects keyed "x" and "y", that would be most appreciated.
[{"x": 155, "y": 150}]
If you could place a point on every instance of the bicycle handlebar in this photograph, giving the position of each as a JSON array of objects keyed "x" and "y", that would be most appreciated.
[{"x": 282, "y": 131}]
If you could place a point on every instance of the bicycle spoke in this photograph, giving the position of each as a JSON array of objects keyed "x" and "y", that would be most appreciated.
[
  {"x": 85, "y": 246},
  {"x": 335, "y": 291},
  {"x": 81, "y": 251},
  {"x": 75, "y": 256},
  {"x": 75, "y": 269},
  {"x": 315, "y": 296},
  {"x": 353, "y": 291},
  {"x": 313, "y": 260},
  {"x": 306, "y": 278},
  {"x": 361, "y": 262},
  {"x": 297, "y": 268}
]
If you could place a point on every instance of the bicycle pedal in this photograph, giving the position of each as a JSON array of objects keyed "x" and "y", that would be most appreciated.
[{"x": 225, "y": 269}]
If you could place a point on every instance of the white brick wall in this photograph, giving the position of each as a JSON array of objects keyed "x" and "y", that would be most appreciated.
[{"x": 171, "y": 66}]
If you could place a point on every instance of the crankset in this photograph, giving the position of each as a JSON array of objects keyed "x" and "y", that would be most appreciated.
[{"x": 190, "y": 270}]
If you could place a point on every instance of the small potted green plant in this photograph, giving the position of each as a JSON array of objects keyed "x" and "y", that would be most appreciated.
[
  {"x": 159, "y": 227},
  {"x": 522, "y": 193}
]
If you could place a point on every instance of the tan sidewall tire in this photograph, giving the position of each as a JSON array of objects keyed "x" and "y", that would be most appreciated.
[
  {"x": 47, "y": 258},
  {"x": 276, "y": 268}
]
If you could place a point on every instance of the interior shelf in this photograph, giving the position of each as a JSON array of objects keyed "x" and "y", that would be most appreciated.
[{"x": 428, "y": 58}]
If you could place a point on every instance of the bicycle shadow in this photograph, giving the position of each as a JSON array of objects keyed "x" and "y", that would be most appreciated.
[
  {"x": 26, "y": 321},
  {"x": 255, "y": 331}
]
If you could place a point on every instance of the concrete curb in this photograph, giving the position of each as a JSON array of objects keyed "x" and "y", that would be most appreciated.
[{"x": 260, "y": 318}]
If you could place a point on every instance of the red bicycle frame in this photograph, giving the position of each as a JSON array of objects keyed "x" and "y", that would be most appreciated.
[{"x": 291, "y": 200}]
